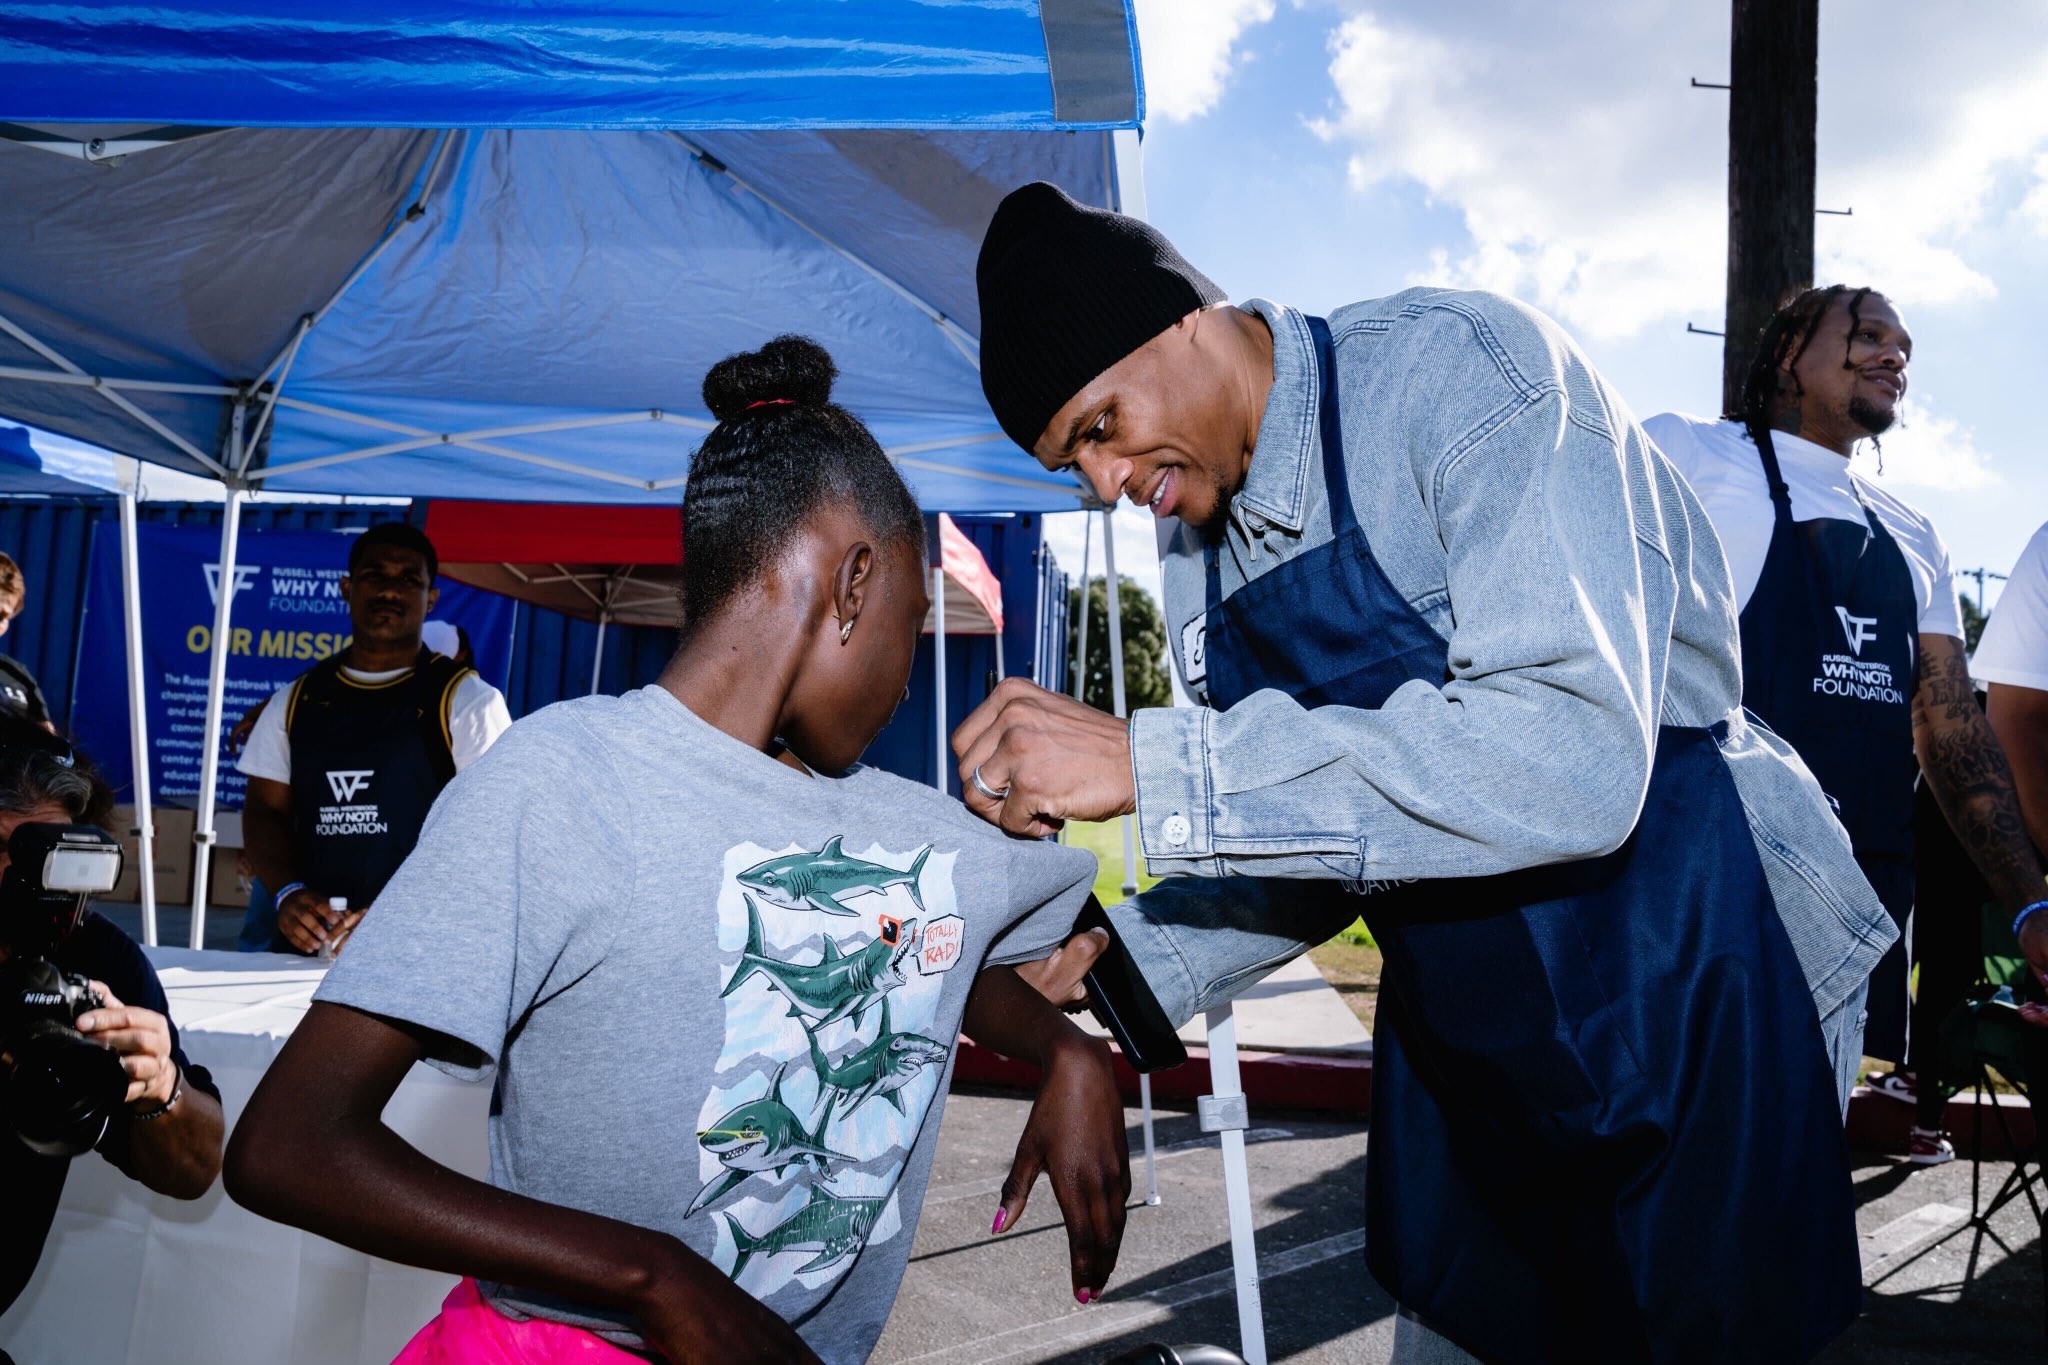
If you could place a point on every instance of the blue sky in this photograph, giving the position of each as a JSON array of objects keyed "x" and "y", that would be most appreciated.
[{"x": 1320, "y": 152}]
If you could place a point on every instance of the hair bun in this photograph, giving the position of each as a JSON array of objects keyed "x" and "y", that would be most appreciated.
[{"x": 793, "y": 369}]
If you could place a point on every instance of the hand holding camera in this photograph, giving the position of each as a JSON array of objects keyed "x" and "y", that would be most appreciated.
[
  {"x": 61, "y": 1088},
  {"x": 142, "y": 1040}
]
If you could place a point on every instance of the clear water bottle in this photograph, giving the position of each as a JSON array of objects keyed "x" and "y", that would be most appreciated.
[{"x": 332, "y": 945}]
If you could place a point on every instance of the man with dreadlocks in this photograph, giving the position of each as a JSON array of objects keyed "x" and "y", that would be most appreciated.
[{"x": 1852, "y": 642}]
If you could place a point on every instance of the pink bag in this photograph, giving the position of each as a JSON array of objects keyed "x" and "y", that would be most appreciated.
[{"x": 468, "y": 1331}]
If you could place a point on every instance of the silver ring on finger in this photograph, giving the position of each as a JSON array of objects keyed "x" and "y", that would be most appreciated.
[{"x": 984, "y": 788}]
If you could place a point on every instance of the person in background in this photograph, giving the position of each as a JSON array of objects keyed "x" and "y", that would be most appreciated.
[
  {"x": 445, "y": 637},
  {"x": 2012, "y": 659},
  {"x": 347, "y": 758},
  {"x": 19, "y": 694},
  {"x": 168, "y": 1134},
  {"x": 1852, "y": 642}
]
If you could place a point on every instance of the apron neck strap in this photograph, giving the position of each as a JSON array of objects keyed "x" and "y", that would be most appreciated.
[
  {"x": 1781, "y": 495},
  {"x": 1336, "y": 478}
]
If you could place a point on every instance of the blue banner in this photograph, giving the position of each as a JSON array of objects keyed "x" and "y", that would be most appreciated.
[{"x": 288, "y": 615}]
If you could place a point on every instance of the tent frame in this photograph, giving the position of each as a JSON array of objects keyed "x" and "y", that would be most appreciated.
[{"x": 266, "y": 394}]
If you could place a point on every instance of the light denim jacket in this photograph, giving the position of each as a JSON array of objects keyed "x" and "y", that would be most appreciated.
[{"x": 1512, "y": 499}]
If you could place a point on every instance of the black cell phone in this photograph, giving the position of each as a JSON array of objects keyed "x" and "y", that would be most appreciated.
[{"x": 1120, "y": 997}]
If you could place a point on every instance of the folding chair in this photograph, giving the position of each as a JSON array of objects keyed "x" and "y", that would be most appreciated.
[{"x": 1985, "y": 1034}]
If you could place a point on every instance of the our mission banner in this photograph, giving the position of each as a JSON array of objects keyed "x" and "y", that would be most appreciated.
[{"x": 288, "y": 615}]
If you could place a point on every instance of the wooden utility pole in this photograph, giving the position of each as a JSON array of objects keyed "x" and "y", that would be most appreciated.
[{"x": 1772, "y": 75}]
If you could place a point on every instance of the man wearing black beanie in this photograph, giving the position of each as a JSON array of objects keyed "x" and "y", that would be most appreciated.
[{"x": 1465, "y": 649}]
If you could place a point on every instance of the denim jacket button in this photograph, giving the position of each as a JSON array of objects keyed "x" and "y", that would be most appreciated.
[{"x": 1175, "y": 829}]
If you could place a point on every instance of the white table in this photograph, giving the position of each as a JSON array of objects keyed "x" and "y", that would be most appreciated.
[{"x": 132, "y": 1278}]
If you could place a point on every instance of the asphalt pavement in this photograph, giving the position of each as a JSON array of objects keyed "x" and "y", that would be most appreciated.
[{"x": 1941, "y": 1291}]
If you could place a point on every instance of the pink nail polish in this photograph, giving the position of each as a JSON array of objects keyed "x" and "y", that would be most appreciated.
[
  {"x": 1082, "y": 1296},
  {"x": 1002, "y": 1217}
]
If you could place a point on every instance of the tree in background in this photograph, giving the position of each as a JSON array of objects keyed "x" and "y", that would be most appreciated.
[
  {"x": 1145, "y": 679},
  {"x": 1973, "y": 622}
]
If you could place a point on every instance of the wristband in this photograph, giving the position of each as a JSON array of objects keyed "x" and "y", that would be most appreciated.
[
  {"x": 286, "y": 892},
  {"x": 177, "y": 1089},
  {"x": 2021, "y": 917}
]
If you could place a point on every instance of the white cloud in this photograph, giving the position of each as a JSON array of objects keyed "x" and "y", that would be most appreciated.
[
  {"x": 1928, "y": 450},
  {"x": 1591, "y": 179},
  {"x": 1189, "y": 50},
  {"x": 2033, "y": 210}
]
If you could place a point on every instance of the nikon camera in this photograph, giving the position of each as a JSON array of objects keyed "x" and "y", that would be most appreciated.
[{"x": 63, "y": 1088}]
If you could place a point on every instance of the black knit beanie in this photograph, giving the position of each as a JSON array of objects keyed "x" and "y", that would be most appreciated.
[{"x": 1066, "y": 292}]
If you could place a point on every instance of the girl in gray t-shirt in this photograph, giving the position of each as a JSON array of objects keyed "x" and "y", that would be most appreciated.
[{"x": 715, "y": 967}]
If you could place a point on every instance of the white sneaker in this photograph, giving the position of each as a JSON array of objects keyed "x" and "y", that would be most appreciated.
[
  {"x": 1929, "y": 1147},
  {"x": 1895, "y": 1085}
]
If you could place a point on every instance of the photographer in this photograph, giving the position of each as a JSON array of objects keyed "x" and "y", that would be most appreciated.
[{"x": 167, "y": 1130}]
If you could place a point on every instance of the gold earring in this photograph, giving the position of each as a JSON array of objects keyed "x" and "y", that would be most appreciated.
[{"x": 845, "y": 632}]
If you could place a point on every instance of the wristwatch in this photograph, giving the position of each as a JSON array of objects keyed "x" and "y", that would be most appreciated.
[{"x": 177, "y": 1089}]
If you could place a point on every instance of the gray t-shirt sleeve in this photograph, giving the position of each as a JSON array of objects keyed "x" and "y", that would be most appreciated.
[
  {"x": 1048, "y": 884},
  {"x": 504, "y": 900}
]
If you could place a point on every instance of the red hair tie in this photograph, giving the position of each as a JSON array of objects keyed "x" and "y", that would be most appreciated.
[{"x": 766, "y": 403}]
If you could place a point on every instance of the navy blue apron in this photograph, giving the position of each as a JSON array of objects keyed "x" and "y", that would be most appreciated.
[
  {"x": 1830, "y": 645},
  {"x": 1604, "y": 1125},
  {"x": 368, "y": 759}
]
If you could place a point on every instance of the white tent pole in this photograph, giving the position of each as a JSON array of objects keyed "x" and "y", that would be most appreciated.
[
  {"x": 1116, "y": 675},
  {"x": 597, "y": 655},
  {"x": 1081, "y": 627},
  {"x": 1130, "y": 884},
  {"x": 138, "y": 710},
  {"x": 216, "y": 687},
  {"x": 939, "y": 673},
  {"x": 1223, "y": 1112},
  {"x": 1223, "y": 1081}
]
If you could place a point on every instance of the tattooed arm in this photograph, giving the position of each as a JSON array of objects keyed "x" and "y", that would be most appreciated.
[
  {"x": 2019, "y": 717},
  {"x": 1973, "y": 783}
]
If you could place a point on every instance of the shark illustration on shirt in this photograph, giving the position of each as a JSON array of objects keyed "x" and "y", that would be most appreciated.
[
  {"x": 763, "y": 1136},
  {"x": 834, "y": 987},
  {"x": 823, "y": 880}
]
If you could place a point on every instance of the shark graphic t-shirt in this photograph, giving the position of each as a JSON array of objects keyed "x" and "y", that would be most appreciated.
[{"x": 718, "y": 997}]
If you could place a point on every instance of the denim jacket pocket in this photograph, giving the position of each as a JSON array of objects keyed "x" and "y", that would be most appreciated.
[{"x": 1328, "y": 856}]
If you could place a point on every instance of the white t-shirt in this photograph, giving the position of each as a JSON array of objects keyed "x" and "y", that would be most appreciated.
[
  {"x": 2014, "y": 649},
  {"x": 1722, "y": 464},
  {"x": 477, "y": 715}
]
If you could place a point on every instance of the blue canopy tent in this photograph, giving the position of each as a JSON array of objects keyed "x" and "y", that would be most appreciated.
[{"x": 479, "y": 253}]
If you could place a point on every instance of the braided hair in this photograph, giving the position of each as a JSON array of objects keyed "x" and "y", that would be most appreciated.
[
  {"x": 1783, "y": 342},
  {"x": 782, "y": 451}
]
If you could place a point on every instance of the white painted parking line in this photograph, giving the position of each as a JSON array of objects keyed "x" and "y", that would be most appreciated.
[
  {"x": 1909, "y": 1231},
  {"x": 1115, "y": 1317}
]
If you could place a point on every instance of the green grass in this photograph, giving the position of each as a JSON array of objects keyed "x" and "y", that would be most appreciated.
[
  {"x": 1106, "y": 842},
  {"x": 1357, "y": 934}
]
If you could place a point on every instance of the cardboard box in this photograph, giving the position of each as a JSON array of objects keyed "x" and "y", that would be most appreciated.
[
  {"x": 229, "y": 886},
  {"x": 171, "y": 852}
]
